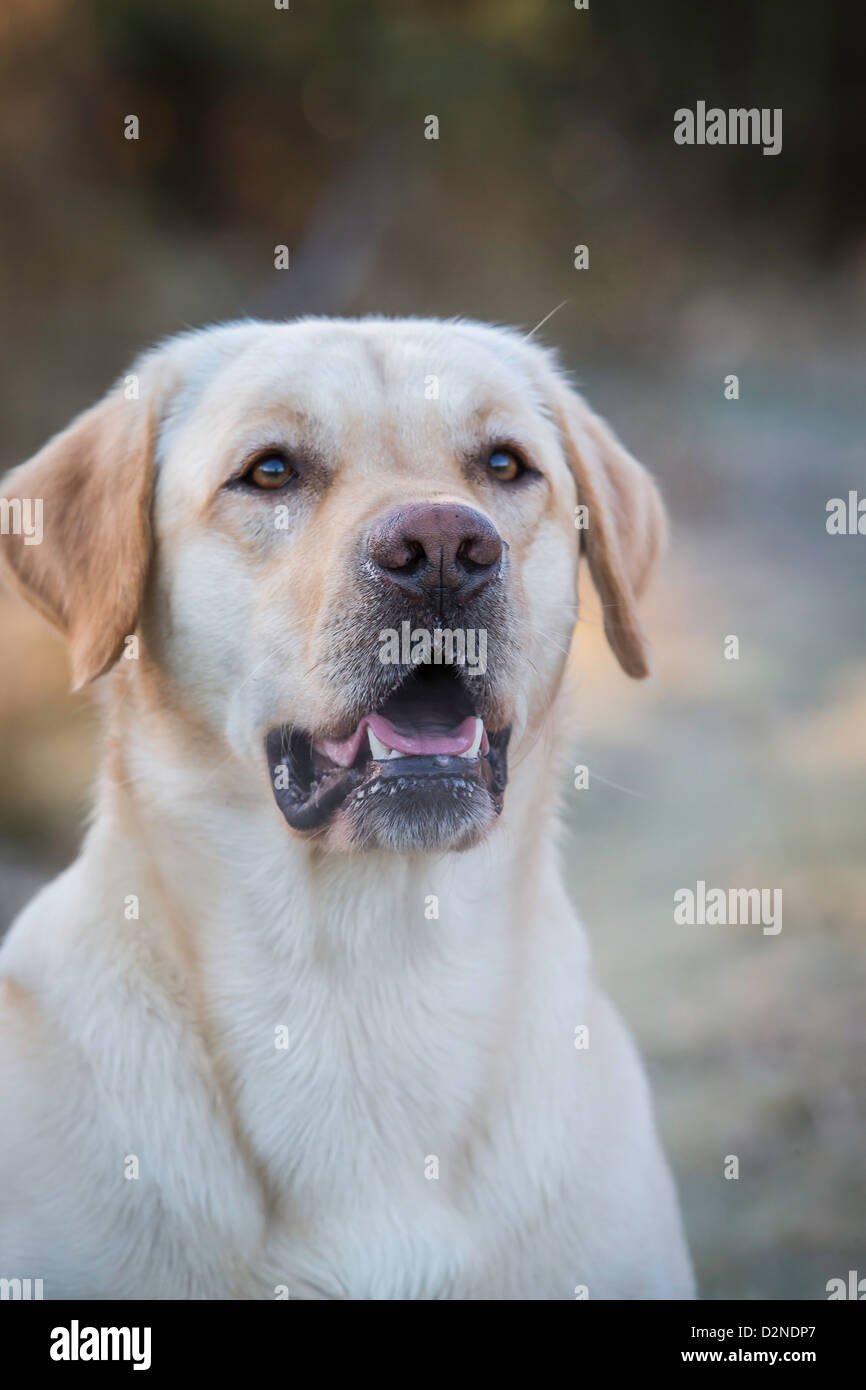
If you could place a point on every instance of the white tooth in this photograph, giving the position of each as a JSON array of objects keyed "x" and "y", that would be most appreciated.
[
  {"x": 380, "y": 750},
  {"x": 472, "y": 751}
]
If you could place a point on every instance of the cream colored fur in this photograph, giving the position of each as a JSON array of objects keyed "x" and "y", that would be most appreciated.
[{"x": 148, "y": 1045}]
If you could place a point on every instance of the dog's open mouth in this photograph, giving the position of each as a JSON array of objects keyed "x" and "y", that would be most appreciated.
[{"x": 423, "y": 754}]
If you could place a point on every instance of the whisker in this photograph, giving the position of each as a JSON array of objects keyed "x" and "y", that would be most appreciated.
[
  {"x": 546, "y": 318},
  {"x": 277, "y": 651},
  {"x": 616, "y": 786}
]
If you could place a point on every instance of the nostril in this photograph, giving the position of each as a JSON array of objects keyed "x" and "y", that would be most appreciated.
[
  {"x": 392, "y": 550},
  {"x": 412, "y": 558},
  {"x": 466, "y": 558},
  {"x": 478, "y": 553}
]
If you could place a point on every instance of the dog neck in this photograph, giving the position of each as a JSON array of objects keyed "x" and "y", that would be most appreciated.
[{"x": 378, "y": 970}]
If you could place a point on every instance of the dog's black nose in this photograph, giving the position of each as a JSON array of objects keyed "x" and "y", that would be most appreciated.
[{"x": 432, "y": 546}]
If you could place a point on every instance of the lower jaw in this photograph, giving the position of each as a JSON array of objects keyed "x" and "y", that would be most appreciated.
[
  {"x": 456, "y": 818},
  {"x": 403, "y": 804}
]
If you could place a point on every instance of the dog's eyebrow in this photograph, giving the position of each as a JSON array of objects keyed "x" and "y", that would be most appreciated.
[
  {"x": 283, "y": 426},
  {"x": 491, "y": 424},
  {"x": 486, "y": 422}
]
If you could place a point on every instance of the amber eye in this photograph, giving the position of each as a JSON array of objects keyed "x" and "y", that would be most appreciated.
[
  {"x": 270, "y": 472},
  {"x": 504, "y": 465}
]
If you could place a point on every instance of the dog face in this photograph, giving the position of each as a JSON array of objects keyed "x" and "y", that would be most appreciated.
[{"x": 350, "y": 550}]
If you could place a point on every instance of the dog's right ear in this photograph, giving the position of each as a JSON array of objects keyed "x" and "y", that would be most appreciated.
[{"x": 75, "y": 534}]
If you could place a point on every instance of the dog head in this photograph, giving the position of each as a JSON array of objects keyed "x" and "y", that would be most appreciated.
[{"x": 349, "y": 549}]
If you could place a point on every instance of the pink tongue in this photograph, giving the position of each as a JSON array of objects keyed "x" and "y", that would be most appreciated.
[
  {"x": 344, "y": 751},
  {"x": 457, "y": 740}
]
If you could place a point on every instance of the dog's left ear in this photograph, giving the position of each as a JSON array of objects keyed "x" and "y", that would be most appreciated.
[
  {"x": 82, "y": 560},
  {"x": 624, "y": 525}
]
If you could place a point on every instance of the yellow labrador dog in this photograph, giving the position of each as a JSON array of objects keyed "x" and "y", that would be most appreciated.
[{"x": 300, "y": 1020}]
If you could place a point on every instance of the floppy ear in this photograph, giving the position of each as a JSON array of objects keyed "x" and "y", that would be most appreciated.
[
  {"x": 625, "y": 527},
  {"x": 91, "y": 487}
]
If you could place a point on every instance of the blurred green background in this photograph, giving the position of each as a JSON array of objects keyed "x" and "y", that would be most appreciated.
[{"x": 305, "y": 127}]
